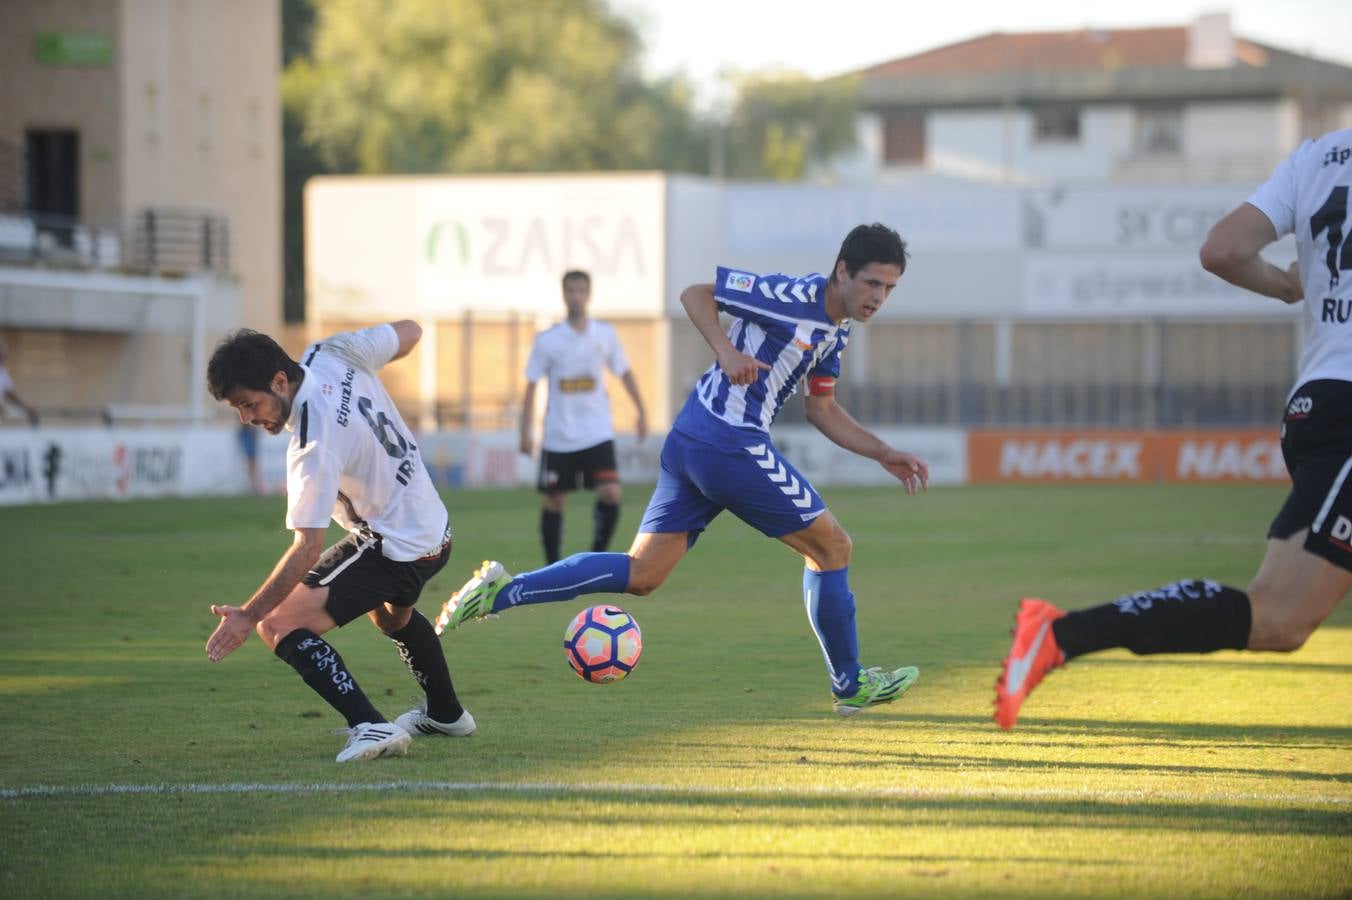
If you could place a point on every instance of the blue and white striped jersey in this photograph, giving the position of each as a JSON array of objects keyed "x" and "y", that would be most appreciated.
[{"x": 780, "y": 320}]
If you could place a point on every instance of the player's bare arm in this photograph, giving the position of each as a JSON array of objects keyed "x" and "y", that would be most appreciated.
[
  {"x": 1232, "y": 252},
  {"x": 409, "y": 332},
  {"x": 238, "y": 621},
  {"x": 831, "y": 419},
  {"x": 528, "y": 419},
  {"x": 640, "y": 414},
  {"x": 12, "y": 396},
  {"x": 700, "y": 306}
]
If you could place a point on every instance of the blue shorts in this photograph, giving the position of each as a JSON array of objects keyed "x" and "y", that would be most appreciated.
[{"x": 699, "y": 480}]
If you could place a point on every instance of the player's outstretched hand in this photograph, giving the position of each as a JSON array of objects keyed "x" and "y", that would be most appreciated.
[
  {"x": 740, "y": 368},
  {"x": 910, "y": 470},
  {"x": 234, "y": 628}
]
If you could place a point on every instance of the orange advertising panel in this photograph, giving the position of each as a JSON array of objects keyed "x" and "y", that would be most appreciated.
[
  {"x": 1068, "y": 456},
  {"x": 1220, "y": 456}
]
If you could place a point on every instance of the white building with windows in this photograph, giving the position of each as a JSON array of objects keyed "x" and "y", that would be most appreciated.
[{"x": 1193, "y": 103}]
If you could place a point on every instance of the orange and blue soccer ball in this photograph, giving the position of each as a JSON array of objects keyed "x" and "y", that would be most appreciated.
[{"x": 602, "y": 644}]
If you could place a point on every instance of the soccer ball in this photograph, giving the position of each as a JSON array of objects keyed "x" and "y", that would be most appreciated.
[{"x": 602, "y": 644}]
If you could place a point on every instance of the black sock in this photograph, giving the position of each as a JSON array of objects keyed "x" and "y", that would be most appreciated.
[
  {"x": 1183, "y": 617},
  {"x": 551, "y": 532},
  {"x": 604, "y": 517},
  {"x": 421, "y": 652},
  {"x": 325, "y": 672}
]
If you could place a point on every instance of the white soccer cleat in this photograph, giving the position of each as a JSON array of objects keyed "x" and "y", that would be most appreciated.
[
  {"x": 373, "y": 739},
  {"x": 417, "y": 723}
]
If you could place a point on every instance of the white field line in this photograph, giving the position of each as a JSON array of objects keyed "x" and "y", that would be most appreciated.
[{"x": 657, "y": 790}]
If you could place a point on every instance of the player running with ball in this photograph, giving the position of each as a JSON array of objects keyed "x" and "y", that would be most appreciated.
[{"x": 719, "y": 455}]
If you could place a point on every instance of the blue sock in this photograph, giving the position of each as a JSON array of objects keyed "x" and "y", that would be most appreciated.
[
  {"x": 581, "y": 573},
  {"x": 830, "y": 609}
]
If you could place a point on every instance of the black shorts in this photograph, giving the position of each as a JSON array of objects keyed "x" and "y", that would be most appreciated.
[
  {"x": 1317, "y": 449},
  {"x": 563, "y": 472},
  {"x": 360, "y": 578}
]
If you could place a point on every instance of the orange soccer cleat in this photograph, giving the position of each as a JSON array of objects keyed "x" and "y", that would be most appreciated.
[{"x": 1033, "y": 654}]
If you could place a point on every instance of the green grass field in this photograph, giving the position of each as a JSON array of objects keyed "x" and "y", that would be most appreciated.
[{"x": 131, "y": 766}]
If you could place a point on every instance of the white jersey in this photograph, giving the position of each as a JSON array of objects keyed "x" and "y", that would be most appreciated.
[
  {"x": 578, "y": 414},
  {"x": 1308, "y": 195},
  {"x": 6, "y": 385},
  {"x": 352, "y": 458}
]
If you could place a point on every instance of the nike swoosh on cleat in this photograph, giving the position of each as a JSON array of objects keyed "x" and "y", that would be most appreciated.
[{"x": 1018, "y": 669}]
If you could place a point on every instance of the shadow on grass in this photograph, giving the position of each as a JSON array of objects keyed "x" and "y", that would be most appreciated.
[
  {"x": 321, "y": 851},
  {"x": 705, "y": 809},
  {"x": 1259, "y": 663},
  {"x": 1333, "y": 736},
  {"x": 851, "y": 759}
]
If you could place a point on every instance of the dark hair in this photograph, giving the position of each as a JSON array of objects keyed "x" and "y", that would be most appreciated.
[
  {"x": 577, "y": 274},
  {"x": 248, "y": 359},
  {"x": 866, "y": 244}
]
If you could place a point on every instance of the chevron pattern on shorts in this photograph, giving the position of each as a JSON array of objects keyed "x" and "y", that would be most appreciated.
[{"x": 786, "y": 481}]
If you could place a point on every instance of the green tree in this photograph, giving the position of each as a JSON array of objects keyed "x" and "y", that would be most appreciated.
[
  {"x": 299, "y": 162},
  {"x": 485, "y": 86},
  {"x": 782, "y": 123}
]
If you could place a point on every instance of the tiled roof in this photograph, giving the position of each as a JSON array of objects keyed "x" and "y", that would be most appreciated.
[{"x": 1086, "y": 50}]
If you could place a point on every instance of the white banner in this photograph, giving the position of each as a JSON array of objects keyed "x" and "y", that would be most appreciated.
[
  {"x": 944, "y": 450},
  {"x": 1128, "y": 285},
  {"x": 792, "y": 220},
  {"x": 504, "y": 243},
  {"x": 51, "y": 465},
  {"x": 493, "y": 459},
  {"x": 1125, "y": 217}
]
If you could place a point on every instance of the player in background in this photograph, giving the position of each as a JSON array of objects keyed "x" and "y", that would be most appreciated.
[
  {"x": 719, "y": 455},
  {"x": 350, "y": 459},
  {"x": 1307, "y": 568},
  {"x": 578, "y": 445},
  {"x": 7, "y": 392}
]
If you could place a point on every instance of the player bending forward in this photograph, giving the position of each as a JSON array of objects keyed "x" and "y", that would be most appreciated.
[
  {"x": 1307, "y": 569},
  {"x": 350, "y": 458},
  {"x": 719, "y": 455}
]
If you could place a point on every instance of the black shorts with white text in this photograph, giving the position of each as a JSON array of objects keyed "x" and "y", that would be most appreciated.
[
  {"x": 360, "y": 578},
  {"x": 1317, "y": 449}
]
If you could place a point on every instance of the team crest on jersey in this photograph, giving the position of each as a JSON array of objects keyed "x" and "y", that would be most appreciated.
[{"x": 740, "y": 281}]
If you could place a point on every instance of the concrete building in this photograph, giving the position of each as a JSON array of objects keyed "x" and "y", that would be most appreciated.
[
  {"x": 140, "y": 190},
  {"x": 1192, "y": 103}
]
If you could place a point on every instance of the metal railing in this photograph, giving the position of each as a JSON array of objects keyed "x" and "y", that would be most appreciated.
[
  {"x": 155, "y": 241},
  {"x": 178, "y": 240}
]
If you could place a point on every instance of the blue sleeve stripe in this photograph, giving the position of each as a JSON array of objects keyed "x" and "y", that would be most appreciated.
[{"x": 761, "y": 311}]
